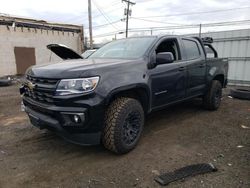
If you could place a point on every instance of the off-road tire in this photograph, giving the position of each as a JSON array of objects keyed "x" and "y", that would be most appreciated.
[
  {"x": 116, "y": 119},
  {"x": 212, "y": 98}
]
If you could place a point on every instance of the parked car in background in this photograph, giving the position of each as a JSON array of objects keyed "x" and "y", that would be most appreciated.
[
  {"x": 104, "y": 98},
  {"x": 87, "y": 53}
]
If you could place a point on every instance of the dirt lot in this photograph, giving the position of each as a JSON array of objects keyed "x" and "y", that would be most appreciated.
[{"x": 175, "y": 137}]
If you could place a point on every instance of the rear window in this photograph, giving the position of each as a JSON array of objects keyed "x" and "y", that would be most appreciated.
[{"x": 191, "y": 48}]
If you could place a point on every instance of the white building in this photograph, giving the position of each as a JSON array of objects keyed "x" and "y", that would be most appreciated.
[{"x": 23, "y": 42}]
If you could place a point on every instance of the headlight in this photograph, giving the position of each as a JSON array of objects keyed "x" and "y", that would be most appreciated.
[{"x": 76, "y": 86}]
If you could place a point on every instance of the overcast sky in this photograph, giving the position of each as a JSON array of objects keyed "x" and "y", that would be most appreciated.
[{"x": 172, "y": 12}]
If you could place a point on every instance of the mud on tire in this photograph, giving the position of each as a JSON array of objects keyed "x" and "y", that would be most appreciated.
[
  {"x": 212, "y": 98},
  {"x": 124, "y": 120}
]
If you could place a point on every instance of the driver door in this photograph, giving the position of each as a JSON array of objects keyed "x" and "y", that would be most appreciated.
[{"x": 168, "y": 81}]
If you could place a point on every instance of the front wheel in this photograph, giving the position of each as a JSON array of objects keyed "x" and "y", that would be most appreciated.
[
  {"x": 124, "y": 120},
  {"x": 212, "y": 98}
]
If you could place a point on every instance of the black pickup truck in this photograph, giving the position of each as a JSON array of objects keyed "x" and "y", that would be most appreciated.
[{"x": 104, "y": 98}]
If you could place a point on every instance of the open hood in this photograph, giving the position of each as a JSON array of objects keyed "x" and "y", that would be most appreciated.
[{"x": 64, "y": 52}]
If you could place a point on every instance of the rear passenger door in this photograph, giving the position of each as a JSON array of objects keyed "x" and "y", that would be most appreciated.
[{"x": 196, "y": 66}]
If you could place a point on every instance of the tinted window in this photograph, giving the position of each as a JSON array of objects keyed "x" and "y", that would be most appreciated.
[
  {"x": 169, "y": 45},
  {"x": 191, "y": 48},
  {"x": 210, "y": 51}
]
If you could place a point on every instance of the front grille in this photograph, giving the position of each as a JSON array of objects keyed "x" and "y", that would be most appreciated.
[{"x": 43, "y": 89}]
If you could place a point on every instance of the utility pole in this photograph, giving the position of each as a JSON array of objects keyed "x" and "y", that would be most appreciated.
[
  {"x": 127, "y": 13},
  {"x": 200, "y": 31},
  {"x": 90, "y": 25}
]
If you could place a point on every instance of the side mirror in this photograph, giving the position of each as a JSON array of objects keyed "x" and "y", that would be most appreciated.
[{"x": 164, "y": 58}]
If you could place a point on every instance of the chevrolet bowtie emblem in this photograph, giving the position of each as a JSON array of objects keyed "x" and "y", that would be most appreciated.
[{"x": 31, "y": 86}]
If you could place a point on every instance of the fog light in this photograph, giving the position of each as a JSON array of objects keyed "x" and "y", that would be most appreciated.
[
  {"x": 77, "y": 119},
  {"x": 73, "y": 118}
]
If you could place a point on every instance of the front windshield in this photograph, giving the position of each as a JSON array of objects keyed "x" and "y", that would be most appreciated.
[{"x": 130, "y": 48}]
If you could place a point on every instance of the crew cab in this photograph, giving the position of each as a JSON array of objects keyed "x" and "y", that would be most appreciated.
[{"x": 104, "y": 98}]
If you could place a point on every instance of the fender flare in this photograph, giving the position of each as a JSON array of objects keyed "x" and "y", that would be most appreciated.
[{"x": 129, "y": 87}]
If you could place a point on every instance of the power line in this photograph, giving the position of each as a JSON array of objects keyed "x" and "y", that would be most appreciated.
[
  {"x": 147, "y": 20},
  {"x": 106, "y": 17},
  {"x": 114, "y": 9},
  {"x": 193, "y": 13},
  {"x": 103, "y": 25},
  {"x": 112, "y": 4},
  {"x": 188, "y": 13},
  {"x": 239, "y": 22},
  {"x": 106, "y": 10},
  {"x": 80, "y": 17},
  {"x": 231, "y": 23}
]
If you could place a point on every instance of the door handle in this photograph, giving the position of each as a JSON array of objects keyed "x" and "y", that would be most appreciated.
[{"x": 182, "y": 68}]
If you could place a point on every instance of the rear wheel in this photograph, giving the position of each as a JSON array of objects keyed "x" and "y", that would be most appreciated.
[
  {"x": 212, "y": 98},
  {"x": 124, "y": 120}
]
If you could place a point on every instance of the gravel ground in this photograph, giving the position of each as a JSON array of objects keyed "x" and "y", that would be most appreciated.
[{"x": 175, "y": 137}]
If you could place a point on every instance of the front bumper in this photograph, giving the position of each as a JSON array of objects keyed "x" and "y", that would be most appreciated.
[{"x": 58, "y": 119}]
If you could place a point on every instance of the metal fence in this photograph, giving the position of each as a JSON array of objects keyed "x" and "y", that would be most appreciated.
[{"x": 234, "y": 45}]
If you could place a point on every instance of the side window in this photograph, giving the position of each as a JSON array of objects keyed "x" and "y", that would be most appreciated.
[
  {"x": 169, "y": 45},
  {"x": 191, "y": 48},
  {"x": 209, "y": 52}
]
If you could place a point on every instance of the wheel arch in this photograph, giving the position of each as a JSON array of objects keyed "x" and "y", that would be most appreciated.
[
  {"x": 220, "y": 78},
  {"x": 136, "y": 91}
]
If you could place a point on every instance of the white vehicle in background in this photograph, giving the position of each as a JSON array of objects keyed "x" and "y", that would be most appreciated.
[{"x": 87, "y": 53}]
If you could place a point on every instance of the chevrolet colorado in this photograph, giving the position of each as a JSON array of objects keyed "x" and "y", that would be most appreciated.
[{"x": 104, "y": 98}]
